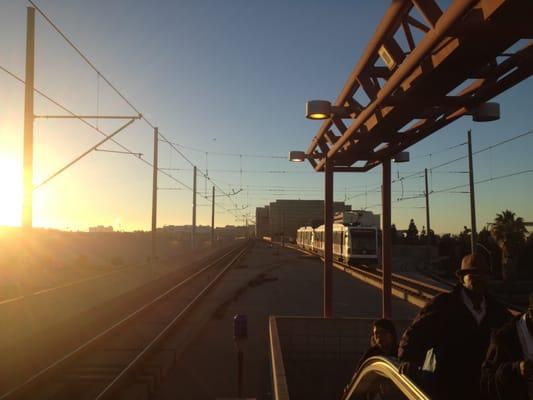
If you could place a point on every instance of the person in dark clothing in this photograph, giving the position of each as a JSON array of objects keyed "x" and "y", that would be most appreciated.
[
  {"x": 383, "y": 341},
  {"x": 507, "y": 372},
  {"x": 456, "y": 327}
]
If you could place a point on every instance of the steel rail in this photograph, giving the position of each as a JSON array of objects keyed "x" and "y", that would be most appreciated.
[
  {"x": 73, "y": 283},
  {"x": 423, "y": 290},
  {"x": 52, "y": 368},
  {"x": 67, "y": 284},
  {"x": 410, "y": 289},
  {"x": 413, "y": 287},
  {"x": 114, "y": 385}
]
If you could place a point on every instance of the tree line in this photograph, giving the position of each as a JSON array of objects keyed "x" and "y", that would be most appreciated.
[{"x": 506, "y": 243}]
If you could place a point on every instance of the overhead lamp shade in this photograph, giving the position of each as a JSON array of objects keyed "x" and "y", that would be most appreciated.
[
  {"x": 487, "y": 112},
  {"x": 318, "y": 109},
  {"x": 402, "y": 156},
  {"x": 297, "y": 156}
]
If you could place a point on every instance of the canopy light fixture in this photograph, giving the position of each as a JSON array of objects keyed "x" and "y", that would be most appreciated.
[
  {"x": 401, "y": 157},
  {"x": 297, "y": 156},
  {"x": 322, "y": 109},
  {"x": 486, "y": 112}
]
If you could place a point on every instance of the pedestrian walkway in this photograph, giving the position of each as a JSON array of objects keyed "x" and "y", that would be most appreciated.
[{"x": 269, "y": 281}]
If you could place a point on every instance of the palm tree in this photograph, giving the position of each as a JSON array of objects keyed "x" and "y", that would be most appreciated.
[{"x": 509, "y": 233}]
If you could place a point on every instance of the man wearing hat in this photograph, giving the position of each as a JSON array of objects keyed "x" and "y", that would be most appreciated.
[
  {"x": 508, "y": 368},
  {"x": 456, "y": 327}
]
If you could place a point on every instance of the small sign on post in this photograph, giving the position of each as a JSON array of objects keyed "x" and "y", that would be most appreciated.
[{"x": 240, "y": 334}]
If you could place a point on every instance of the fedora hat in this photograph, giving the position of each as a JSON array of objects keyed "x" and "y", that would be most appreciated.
[{"x": 473, "y": 264}]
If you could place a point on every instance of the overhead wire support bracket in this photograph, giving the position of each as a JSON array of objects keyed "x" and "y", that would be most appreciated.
[{"x": 131, "y": 121}]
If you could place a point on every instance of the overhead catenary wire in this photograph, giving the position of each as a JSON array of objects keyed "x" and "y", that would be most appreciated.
[
  {"x": 94, "y": 127},
  {"x": 218, "y": 153},
  {"x": 451, "y": 189},
  {"x": 70, "y": 112},
  {"x": 115, "y": 89}
]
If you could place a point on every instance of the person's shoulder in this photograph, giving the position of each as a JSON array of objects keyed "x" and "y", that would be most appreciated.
[
  {"x": 495, "y": 305},
  {"x": 507, "y": 330}
]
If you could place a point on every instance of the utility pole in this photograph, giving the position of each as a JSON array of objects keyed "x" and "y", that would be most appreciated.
[
  {"x": 427, "y": 217},
  {"x": 328, "y": 237},
  {"x": 213, "y": 218},
  {"x": 473, "y": 233},
  {"x": 154, "y": 197},
  {"x": 283, "y": 228},
  {"x": 386, "y": 260},
  {"x": 193, "y": 235},
  {"x": 27, "y": 163}
]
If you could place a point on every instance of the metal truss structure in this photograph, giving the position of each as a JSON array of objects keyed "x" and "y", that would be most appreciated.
[{"x": 423, "y": 69}]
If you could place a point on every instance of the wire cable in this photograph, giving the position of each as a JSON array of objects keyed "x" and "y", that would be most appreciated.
[
  {"x": 217, "y": 153},
  {"x": 90, "y": 63}
]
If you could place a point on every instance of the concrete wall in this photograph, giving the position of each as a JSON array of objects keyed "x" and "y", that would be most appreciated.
[{"x": 320, "y": 355}]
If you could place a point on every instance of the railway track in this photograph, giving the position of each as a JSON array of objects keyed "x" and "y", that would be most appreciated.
[
  {"x": 412, "y": 290},
  {"x": 76, "y": 282},
  {"x": 131, "y": 351}
]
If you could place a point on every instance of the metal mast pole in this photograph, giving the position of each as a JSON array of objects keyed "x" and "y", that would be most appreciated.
[
  {"x": 154, "y": 197},
  {"x": 27, "y": 163},
  {"x": 193, "y": 234},
  {"x": 473, "y": 234},
  {"x": 386, "y": 240},
  {"x": 428, "y": 225},
  {"x": 328, "y": 237},
  {"x": 283, "y": 228},
  {"x": 213, "y": 219}
]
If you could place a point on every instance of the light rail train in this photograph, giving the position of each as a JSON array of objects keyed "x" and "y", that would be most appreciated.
[{"x": 354, "y": 245}]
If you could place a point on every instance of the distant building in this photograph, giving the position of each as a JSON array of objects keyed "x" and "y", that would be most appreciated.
[
  {"x": 262, "y": 223},
  {"x": 200, "y": 229},
  {"x": 230, "y": 232},
  {"x": 101, "y": 228},
  {"x": 286, "y": 216}
]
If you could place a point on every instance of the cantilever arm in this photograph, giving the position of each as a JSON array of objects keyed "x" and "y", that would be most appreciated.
[{"x": 85, "y": 153}]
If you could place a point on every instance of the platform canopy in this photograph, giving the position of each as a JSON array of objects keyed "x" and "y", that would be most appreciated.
[{"x": 424, "y": 68}]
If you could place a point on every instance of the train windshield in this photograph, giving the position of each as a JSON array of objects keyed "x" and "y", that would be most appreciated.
[{"x": 363, "y": 241}]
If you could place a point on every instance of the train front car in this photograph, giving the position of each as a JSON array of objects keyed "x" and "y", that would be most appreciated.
[
  {"x": 362, "y": 246},
  {"x": 304, "y": 237}
]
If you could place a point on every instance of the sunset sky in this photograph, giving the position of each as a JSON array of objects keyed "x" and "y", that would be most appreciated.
[{"x": 223, "y": 78}]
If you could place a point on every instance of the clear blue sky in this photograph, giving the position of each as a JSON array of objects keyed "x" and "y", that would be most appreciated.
[{"x": 224, "y": 77}]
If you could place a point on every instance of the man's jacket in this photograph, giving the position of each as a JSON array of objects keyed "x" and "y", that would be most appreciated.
[
  {"x": 448, "y": 327},
  {"x": 500, "y": 375}
]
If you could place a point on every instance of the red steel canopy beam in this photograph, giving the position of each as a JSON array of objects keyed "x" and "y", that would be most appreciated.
[
  {"x": 459, "y": 44},
  {"x": 386, "y": 29}
]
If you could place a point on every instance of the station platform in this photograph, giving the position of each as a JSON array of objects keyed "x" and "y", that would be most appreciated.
[{"x": 270, "y": 281}]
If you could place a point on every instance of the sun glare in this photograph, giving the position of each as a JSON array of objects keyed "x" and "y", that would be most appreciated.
[{"x": 11, "y": 192}]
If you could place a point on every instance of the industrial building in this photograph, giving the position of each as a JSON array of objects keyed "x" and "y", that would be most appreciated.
[{"x": 282, "y": 218}]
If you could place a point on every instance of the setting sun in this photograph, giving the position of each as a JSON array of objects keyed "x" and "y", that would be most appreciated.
[{"x": 11, "y": 184}]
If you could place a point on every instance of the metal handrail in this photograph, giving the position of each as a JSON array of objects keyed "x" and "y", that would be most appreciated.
[{"x": 387, "y": 368}]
